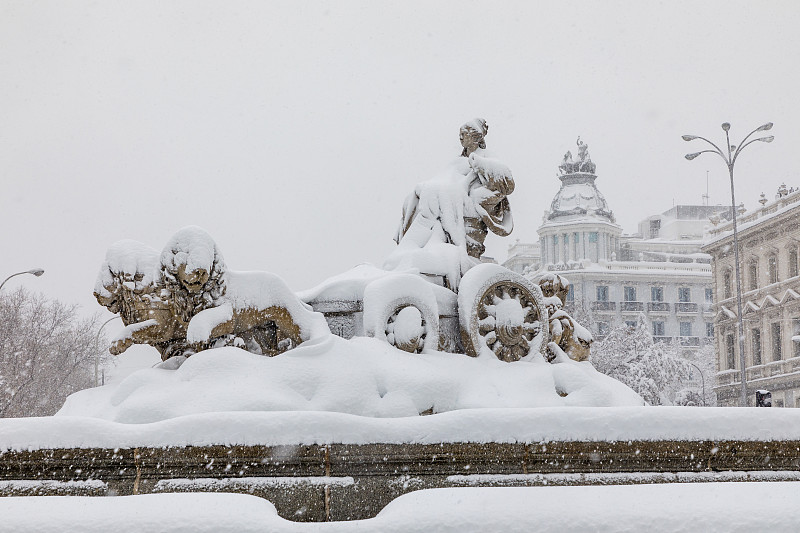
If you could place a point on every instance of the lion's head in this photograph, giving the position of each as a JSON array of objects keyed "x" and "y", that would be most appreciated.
[
  {"x": 191, "y": 270},
  {"x": 126, "y": 281}
]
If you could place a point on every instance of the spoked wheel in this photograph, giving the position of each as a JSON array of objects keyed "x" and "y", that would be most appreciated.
[
  {"x": 502, "y": 313},
  {"x": 402, "y": 310},
  {"x": 406, "y": 329},
  {"x": 508, "y": 320}
]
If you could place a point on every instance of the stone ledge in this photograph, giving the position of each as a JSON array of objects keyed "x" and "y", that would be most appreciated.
[{"x": 348, "y": 481}]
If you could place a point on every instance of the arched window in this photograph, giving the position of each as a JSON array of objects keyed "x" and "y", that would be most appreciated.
[{"x": 773, "y": 268}]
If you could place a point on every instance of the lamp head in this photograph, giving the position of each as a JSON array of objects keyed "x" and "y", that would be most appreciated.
[
  {"x": 765, "y": 127},
  {"x": 689, "y": 137},
  {"x": 726, "y": 126},
  {"x": 767, "y": 139},
  {"x": 36, "y": 271},
  {"x": 691, "y": 156}
]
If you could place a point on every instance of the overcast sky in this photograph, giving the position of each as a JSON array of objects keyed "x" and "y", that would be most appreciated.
[{"x": 292, "y": 131}]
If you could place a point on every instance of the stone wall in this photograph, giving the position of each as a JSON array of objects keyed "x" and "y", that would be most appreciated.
[{"x": 352, "y": 482}]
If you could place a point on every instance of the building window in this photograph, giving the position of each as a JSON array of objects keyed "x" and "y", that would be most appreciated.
[
  {"x": 629, "y": 294},
  {"x": 730, "y": 354},
  {"x": 796, "y": 335},
  {"x": 773, "y": 269},
  {"x": 684, "y": 294},
  {"x": 655, "y": 226},
  {"x": 657, "y": 294},
  {"x": 686, "y": 329},
  {"x": 593, "y": 236},
  {"x": 709, "y": 296},
  {"x": 602, "y": 293},
  {"x": 752, "y": 269},
  {"x": 777, "y": 355},
  {"x": 570, "y": 294},
  {"x": 631, "y": 324},
  {"x": 658, "y": 329},
  {"x": 726, "y": 283},
  {"x": 555, "y": 248},
  {"x": 709, "y": 329},
  {"x": 602, "y": 328},
  {"x": 756, "y": 335},
  {"x": 793, "y": 266}
]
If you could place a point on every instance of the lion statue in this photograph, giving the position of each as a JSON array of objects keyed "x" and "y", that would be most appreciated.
[{"x": 188, "y": 301}]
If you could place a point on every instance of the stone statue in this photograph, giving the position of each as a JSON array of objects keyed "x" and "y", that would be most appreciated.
[
  {"x": 566, "y": 334},
  {"x": 445, "y": 220},
  {"x": 583, "y": 163},
  {"x": 187, "y": 301}
]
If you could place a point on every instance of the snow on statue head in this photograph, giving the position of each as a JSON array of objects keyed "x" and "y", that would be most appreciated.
[
  {"x": 472, "y": 136},
  {"x": 192, "y": 271}
]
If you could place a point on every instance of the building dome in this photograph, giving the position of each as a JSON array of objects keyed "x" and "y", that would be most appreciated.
[{"x": 578, "y": 196}]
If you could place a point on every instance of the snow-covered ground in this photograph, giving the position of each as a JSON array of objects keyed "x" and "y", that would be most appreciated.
[{"x": 707, "y": 507}]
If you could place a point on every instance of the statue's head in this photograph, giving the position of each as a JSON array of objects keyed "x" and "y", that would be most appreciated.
[
  {"x": 126, "y": 277},
  {"x": 193, "y": 280},
  {"x": 192, "y": 271},
  {"x": 472, "y": 135}
]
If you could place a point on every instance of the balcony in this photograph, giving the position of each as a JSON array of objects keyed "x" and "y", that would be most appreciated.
[
  {"x": 604, "y": 306},
  {"x": 631, "y": 307},
  {"x": 685, "y": 307},
  {"x": 665, "y": 340},
  {"x": 708, "y": 308},
  {"x": 690, "y": 341},
  {"x": 727, "y": 377},
  {"x": 657, "y": 307}
]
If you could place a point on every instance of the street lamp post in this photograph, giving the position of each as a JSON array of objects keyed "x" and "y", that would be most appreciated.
[
  {"x": 97, "y": 349},
  {"x": 702, "y": 381},
  {"x": 35, "y": 271},
  {"x": 730, "y": 156}
]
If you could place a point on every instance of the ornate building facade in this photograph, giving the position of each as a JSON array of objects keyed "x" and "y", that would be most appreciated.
[
  {"x": 769, "y": 248},
  {"x": 659, "y": 272}
]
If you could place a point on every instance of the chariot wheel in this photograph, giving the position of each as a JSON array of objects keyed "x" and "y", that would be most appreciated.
[
  {"x": 402, "y": 310},
  {"x": 501, "y": 313},
  {"x": 406, "y": 329}
]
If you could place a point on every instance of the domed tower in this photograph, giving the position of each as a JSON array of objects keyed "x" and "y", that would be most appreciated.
[{"x": 579, "y": 225}]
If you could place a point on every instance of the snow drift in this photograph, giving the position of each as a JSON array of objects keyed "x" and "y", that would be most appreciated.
[{"x": 361, "y": 376}]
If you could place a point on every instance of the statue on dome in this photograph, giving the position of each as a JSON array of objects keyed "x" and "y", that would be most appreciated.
[
  {"x": 445, "y": 220},
  {"x": 582, "y": 164}
]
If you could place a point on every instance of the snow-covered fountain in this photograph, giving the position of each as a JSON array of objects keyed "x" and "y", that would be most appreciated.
[{"x": 315, "y": 399}]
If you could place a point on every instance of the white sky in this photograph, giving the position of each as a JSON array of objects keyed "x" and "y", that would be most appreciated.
[{"x": 292, "y": 131}]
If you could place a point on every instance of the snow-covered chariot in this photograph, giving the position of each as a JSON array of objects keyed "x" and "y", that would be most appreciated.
[{"x": 435, "y": 292}]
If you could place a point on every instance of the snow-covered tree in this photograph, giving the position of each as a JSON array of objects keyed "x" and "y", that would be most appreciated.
[
  {"x": 654, "y": 370},
  {"x": 47, "y": 352},
  {"x": 700, "y": 390}
]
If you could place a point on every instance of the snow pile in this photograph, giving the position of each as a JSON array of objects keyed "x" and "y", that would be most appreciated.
[
  {"x": 417, "y": 323},
  {"x": 255, "y": 290},
  {"x": 130, "y": 263},
  {"x": 710, "y": 507},
  {"x": 361, "y": 376},
  {"x": 293, "y": 428}
]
